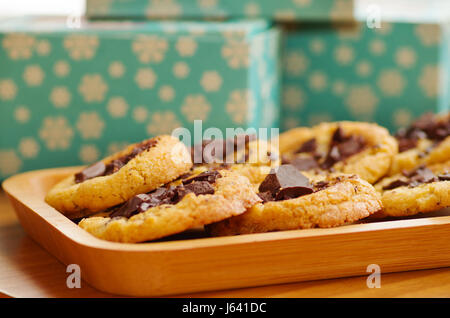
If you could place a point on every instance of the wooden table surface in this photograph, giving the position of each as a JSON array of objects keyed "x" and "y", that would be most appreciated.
[{"x": 27, "y": 270}]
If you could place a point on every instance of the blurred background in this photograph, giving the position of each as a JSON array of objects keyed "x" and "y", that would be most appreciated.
[{"x": 81, "y": 79}]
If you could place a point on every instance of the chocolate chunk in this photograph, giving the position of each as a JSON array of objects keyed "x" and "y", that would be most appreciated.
[
  {"x": 199, "y": 187},
  {"x": 427, "y": 126},
  {"x": 185, "y": 176},
  {"x": 424, "y": 122},
  {"x": 395, "y": 184},
  {"x": 342, "y": 147},
  {"x": 405, "y": 144},
  {"x": 411, "y": 173},
  {"x": 95, "y": 170},
  {"x": 137, "y": 150},
  {"x": 308, "y": 146},
  {"x": 350, "y": 146},
  {"x": 414, "y": 178},
  {"x": 166, "y": 195},
  {"x": 100, "y": 169},
  {"x": 424, "y": 175},
  {"x": 285, "y": 182},
  {"x": 306, "y": 163},
  {"x": 293, "y": 192},
  {"x": 135, "y": 205},
  {"x": 113, "y": 167},
  {"x": 407, "y": 139},
  {"x": 173, "y": 195},
  {"x": 440, "y": 133},
  {"x": 266, "y": 196},
  {"x": 332, "y": 157},
  {"x": 444, "y": 176},
  {"x": 209, "y": 176},
  {"x": 338, "y": 136},
  {"x": 318, "y": 186}
]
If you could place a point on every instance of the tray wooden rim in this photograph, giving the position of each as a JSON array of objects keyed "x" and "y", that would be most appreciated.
[{"x": 77, "y": 235}]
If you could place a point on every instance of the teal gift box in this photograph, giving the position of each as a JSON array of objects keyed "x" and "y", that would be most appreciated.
[
  {"x": 388, "y": 75},
  {"x": 70, "y": 96},
  {"x": 279, "y": 10}
]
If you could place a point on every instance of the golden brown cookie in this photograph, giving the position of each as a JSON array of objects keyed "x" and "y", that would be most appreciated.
[
  {"x": 292, "y": 201},
  {"x": 423, "y": 189},
  {"x": 197, "y": 200},
  {"x": 348, "y": 147},
  {"x": 425, "y": 141},
  {"x": 139, "y": 168}
]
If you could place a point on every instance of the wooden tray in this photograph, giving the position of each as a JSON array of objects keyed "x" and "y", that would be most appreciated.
[{"x": 191, "y": 263}]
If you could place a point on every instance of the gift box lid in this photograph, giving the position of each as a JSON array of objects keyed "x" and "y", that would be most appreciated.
[
  {"x": 57, "y": 25},
  {"x": 279, "y": 10}
]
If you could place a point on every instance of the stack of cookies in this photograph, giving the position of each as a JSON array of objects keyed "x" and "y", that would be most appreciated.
[{"x": 324, "y": 176}]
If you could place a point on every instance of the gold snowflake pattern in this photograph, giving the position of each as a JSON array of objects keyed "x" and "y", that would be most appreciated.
[
  {"x": 56, "y": 133},
  {"x": 29, "y": 147},
  {"x": 429, "y": 79},
  {"x": 10, "y": 163},
  {"x": 236, "y": 50},
  {"x": 391, "y": 82},
  {"x": 117, "y": 107},
  {"x": 33, "y": 75},
  {"x": 145, "y": 78},
  {"x": 8, "y": 89},
  {"x": 211, "y": 81},
  {"x": 150, "y": 48},
  {"x": 19, "y": 46},
  {"x": 195, "y": 107},
  {"x": 60, "y": 96},
  {"x": 163, "y": 123},
  {"x": 89, "y": 154},
  {"x": 81, "y": 46},
  {"x": 90, "y": 125},
  {"x": 238, "y": 104},
  {"x": 93, "y": 88},
  {"x": 361, "y": 100}
]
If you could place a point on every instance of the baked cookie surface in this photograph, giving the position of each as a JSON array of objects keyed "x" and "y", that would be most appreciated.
[
  {"x": 291, "y": 201},
  {"x": 188, "y": 202},
  {"x": 347, "y": 147},
  {"x": 425, "y": 141},
  {"x": 423, "y": 189},
  {"x": 139, "y": 168}
]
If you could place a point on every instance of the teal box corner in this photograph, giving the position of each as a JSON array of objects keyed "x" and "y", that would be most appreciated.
[
  {"x": 388, "y": 75},
  {"x": 72, "y": 96},
  {"x": 279, "y": 10}
]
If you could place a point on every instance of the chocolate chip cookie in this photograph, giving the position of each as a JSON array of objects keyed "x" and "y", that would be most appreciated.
[
  {"x": 420, "y": 190},
  {"x": 188, "y": 202},
  {"x": 425, "y": 141},
  {"x": 293, "y": 201},
  {"x": 349, "y": 147},
  {"x": 139, "y": 168}
]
